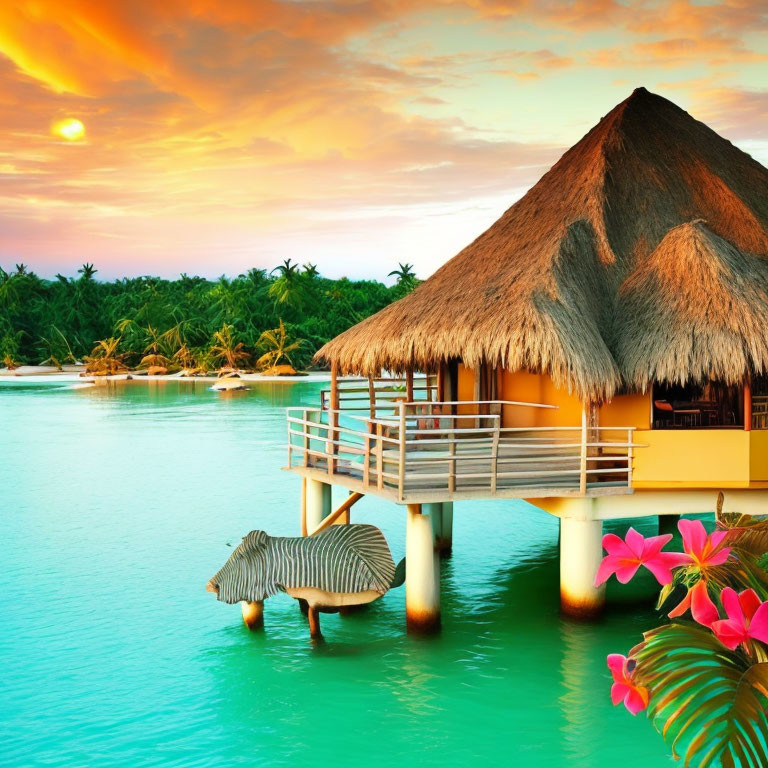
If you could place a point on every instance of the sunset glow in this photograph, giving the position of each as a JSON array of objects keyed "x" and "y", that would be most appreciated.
[{"x": 222, "y": 136}]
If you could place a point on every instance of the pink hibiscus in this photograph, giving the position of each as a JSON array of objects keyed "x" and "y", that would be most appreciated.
[
  {"x": 702, "y": 550},
  {"x": 747, "y": 618},
  {"x": 635, "y": 697},
  {"x": 698, "y": 600},
  {"x": 625, "y": 556}
]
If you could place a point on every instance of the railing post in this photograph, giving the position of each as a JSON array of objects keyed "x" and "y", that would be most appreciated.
[
  {"x": 367, "y": 460},
  {"x": 495, "y": 456},
  {"x": 452, "y": 462},
  {"x": 380, "y": 455},
  {"x": 401, "y": 468},
  {"x": 306, "y": 428},
  {"x": 630, "y": 458},
  {"x": 583, "y": 455}
]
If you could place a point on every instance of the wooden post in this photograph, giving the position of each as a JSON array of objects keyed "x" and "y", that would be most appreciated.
[
  {"x": 409, "y": 384},
  {"x": 303, "y": 506},
  {"x": 333, "y": 417},
  {"x": 253, "y": 614},
  {"x": 401, "y": 467},
  {"x": 495, "y": 457},
  {"x": 747, "y": 404},
  {"x": 452, "y": 462},
  {"x": 371, "y": 397},
  {"x": 380, "y": 456},
  {"x": 583, "y": 454},
  {"x": 441, "y": 374},
  {"x": 422, "y": 574},
  {"x": 580, "y": 554},
  {"x": 630, "y": 457}
]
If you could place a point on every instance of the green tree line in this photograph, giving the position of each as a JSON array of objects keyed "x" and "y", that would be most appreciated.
[{"x": 257, "y": 318}]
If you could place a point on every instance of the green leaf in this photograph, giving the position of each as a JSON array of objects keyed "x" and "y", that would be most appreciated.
[{"x": 708, "y": 702}]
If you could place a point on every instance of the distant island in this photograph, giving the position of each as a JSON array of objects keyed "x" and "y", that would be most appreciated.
[{"x": 258, "y": 320}]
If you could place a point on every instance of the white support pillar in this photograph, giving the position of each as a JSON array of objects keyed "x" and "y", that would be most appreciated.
[
  {"x": 580, "y": 555},
  {"x": 318, "y": 502},
  {"x": 422, "y": 573}
]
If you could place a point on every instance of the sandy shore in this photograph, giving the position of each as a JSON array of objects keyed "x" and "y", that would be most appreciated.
[{"x": 71, "y": 373}]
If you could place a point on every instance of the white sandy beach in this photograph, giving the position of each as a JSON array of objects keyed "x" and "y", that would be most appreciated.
[{"x": 71, "y": 373}]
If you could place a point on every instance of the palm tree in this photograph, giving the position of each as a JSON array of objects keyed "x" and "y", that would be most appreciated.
[
  {"x": 310, "y": 270},
  {"x": 104, "y": 359},
  {"x": 226, "y": 349},
  {"x": 288, "y": 289},
  {"x": 404, "y": 275},
  {"x": 87, "y": 271},
  {"x": 21, "y": 269},
  {"x": 277, "y": 346}
]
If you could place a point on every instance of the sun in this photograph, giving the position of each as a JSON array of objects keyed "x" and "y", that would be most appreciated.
[{"x": 70, "y": 129}]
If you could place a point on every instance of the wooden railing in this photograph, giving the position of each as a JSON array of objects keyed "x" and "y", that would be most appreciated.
[
  {"x": 439, "y": 450},
  {"x": 373, "y": 395}
]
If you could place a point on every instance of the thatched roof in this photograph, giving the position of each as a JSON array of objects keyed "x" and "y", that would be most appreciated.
[{"x": 590, "y": 277}]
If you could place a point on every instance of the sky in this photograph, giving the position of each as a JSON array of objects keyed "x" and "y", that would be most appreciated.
[{"x": 210, "y": 137}]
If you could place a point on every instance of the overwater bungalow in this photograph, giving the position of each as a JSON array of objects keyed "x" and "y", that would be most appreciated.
[{"x": 600, "y": 351}]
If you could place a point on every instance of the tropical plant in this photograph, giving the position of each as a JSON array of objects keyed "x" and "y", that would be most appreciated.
[
  {"x": 87, "y": 271},
  {"x": 225, "y": 349},
  {"x": 278, "y": 347},
  {"x": 58, "y": 348},
  {"x": 104, "y": 359},
  {"x": 289, "y": 288},
  {"x": 704, "y": 681}
]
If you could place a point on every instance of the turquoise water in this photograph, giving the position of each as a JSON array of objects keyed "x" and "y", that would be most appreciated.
[{"x": 118, "y": 504}]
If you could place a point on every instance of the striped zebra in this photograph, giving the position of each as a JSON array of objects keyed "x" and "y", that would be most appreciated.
[{"x": 343, "y": 565}]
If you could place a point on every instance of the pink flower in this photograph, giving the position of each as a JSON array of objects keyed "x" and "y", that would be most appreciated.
[
  {"x": 626, "y": 556},
  {"x": 702, "y": 550},
  {"x": 747, "y": 618},
  {"x": 698, "y": 600},
  {"x": 635, "y": 697}
]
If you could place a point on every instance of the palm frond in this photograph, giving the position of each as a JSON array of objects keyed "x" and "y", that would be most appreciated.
[{"x": 708, "y": 702}]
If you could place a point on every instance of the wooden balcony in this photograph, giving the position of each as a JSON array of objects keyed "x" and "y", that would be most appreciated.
[{"x": 412, "y": 452}]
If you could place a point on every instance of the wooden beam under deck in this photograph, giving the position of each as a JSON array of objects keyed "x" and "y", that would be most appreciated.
[{"x": 438, "y": 495}]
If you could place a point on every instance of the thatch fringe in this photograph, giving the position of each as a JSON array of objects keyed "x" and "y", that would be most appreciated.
[{"x": 539, "y": 290}]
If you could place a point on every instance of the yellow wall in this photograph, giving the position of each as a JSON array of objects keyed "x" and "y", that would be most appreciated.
[
  {"x": 758, "y": 455},
  {"x": 538, "y": 388}
]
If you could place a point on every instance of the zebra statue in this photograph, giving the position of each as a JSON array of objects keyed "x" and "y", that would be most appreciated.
[{"x": 341, "y": 566}]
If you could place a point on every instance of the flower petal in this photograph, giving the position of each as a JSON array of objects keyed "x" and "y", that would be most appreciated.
[
  {"x": 614, "y": 545},
  {"x": 703, "y": 610},
  {"x": 719, "y": 557},
  {"x": 659, "y": 569},
  {"x": 681, "y": 607},
  {"x": 731, "y": 605},
  {"x": 729, "y": 633},
  {"x": 608, "y": 565},
  {"x": 619, "y": 692},
  {"x": 635, "y": 542},
  {"x": 626, "y": 570},
  {"x": 617, "y": 663},
  {"x": 637, "y": 699},
  {"x": 654, "y": 544},
  {"x": 716, "y": 538},
  {"x": 749, "y": 602},
  {"x": 694, "y": 536},
  {"x": 758, "y": 627}
]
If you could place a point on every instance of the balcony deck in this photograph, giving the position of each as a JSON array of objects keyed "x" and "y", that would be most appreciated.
[{"x": 426, "y": 451}]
